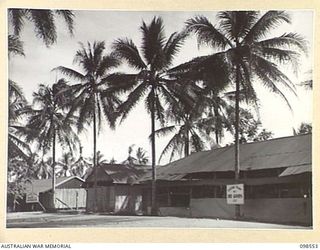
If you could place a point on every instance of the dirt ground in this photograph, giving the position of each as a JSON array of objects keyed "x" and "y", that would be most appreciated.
[{"x": 67, "y": 220}]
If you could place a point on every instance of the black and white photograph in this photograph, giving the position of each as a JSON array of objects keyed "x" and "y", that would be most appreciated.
[{"x": 160, "y": 119}]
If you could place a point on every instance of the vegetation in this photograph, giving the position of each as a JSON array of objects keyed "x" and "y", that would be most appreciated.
[
  {"x": 197, "y": 102},
  {"x": 92, "y": 96},
  {"x": 156, "y": 56},
  {"x": 241, "y": 38},
  {"x": 43, "y": 20}
]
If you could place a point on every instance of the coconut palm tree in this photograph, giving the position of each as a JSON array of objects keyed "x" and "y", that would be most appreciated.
[
  {"x": 17, "y": 147},
  {"x": 141, "y": 156},
  {"x": 65, "y": 164},
  {"x": 150, "y": 81},
  {"x": 43, "y": 20},
  {"x": 131, "y": 160},
  {"x": 138, "y": 158},
  {"x": 80, "y": 166},
  {"x": 48, "y": 123},
  {"x": 93, "y": 97},
  {"x": 242, "y": 41}
]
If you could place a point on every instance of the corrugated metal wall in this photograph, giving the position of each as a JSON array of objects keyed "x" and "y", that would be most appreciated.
[
  {"x": 73, "y": 197},
  {"x": 116, "y": 199},
  {"x": 277, "y": 210}
]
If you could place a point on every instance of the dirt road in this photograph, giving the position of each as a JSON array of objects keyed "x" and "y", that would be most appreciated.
[{"x": 64, "y": 220}]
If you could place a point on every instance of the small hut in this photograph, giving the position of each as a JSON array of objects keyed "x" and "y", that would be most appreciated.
[
  {"x": 69, "y": 194},
  {"x": 115, "y": 191}
]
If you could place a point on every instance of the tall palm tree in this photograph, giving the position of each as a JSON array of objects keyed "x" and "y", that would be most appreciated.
[
  {"x": 243, "y": 42},
  {"x": 48, "y": 123},
  {"x": 93, "y": 97},
  {"x": 242, "y": 38},
  {"x": 152, "y": 62},
  {"x": 43, "y": 21}
]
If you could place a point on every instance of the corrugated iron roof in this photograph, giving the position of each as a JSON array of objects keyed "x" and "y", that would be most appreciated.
[
  {"x": 119, "y": 173},
  {"x": 296, "y": 170},
  {"x": 44, "y": 185},
  {"x": 283, "y": 152}
]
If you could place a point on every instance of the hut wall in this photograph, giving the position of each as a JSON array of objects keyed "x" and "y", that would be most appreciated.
[
  {"x": 277, "y": 210},
  {"x": 105, "y": 199},
  {"x": 116, "y": 199},
  {"x": 74, "y": 198},
  {"x": 128, "y": 199}
]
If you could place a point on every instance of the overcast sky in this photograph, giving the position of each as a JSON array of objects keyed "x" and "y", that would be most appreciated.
[{"x": 36, "y": 66}]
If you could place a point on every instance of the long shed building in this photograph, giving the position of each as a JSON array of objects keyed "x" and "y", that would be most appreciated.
[{"x": 277, "y": 178}]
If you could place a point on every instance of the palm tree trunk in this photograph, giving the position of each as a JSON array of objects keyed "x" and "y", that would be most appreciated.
[
  {"x": 216, "y": 132},
  {"x": 53, "y": 170},
  {"x": 153, "y": 156},
  {"x": 186, "y": 144},
  {"x": 95, "y": 156},
  {"x": 237, "y": 149},
  {"x": 237, "y": 159}
]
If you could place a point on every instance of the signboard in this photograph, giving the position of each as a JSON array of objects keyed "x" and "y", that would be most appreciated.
[
  {"x": 235, "y": 194},
  {"x": 32, "y": 198}
]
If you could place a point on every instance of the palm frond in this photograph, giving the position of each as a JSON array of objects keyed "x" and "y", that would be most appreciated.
[
  {"x": 126, "y": 50},
  {"x": 16, "y": 19},
  {"x": 132, "y": 100},
  {"x": 282, "y": 56},
  {"x": 173, "y": 46},
  {"x": 15, "y": 45},
  {"x": 153, "y": 41},
  {"x": 164, "y": 131},
  {"x": 206, "y": 33},
  {"x": 85, "y": 112},
  {"x": 270, "y": 75},
  {"x": 70, "y": 73},
  {"x": 268, "y": 21},
  {"x": 120, "y": 82},
  {"x": 173, "y": 145},
  {"x": 45, "y": 27},
  {"x": 68, "y": 17},
  {"x": 236, "y": 24},
  {"x": 106, "y": 63},
  {"x": 196, "y": 141},
  {"x": 289, "y": 41},
  {"x": 110, "y": 103}
]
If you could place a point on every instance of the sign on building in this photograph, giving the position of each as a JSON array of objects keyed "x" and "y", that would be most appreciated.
[
  {"x": 235, "y": 194},
  {"x": 32, "y": 198}
]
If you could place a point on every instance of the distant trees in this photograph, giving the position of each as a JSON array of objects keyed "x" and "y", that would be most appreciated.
[
  {"x": 304, "y": 128},
  {"x": 48, "y": 123},
  {"x": 251, "y": 129},
  {"x": 139, "y": 157}
]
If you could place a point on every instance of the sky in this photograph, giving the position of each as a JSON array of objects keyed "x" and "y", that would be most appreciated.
[{"x": 35, "y": 68}]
